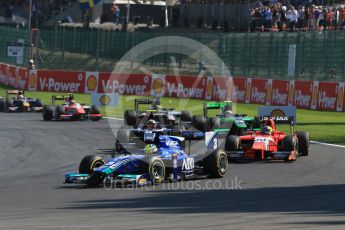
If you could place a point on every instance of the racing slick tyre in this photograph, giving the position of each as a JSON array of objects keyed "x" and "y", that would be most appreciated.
[
  {"x": 216, "y": 164},
  {"x": 39, "y": 103},
  {"x": 155, "y": 168},
  {"x": 59, "y": 111},
  {"x": 9, "y": 103},
  {"x": 289, "y": 143},
  {"x": 95, "y": 110},
  {"x": 303, "y": 142},
  {"x": 2, "y": 105},
  {"x": 232, "y": 143},
  {"x": 186, "y": 116},
  {"x": 199, "y": 122},
  {"x": 19, "y": 104},
  {"x": 213, "y": 123},
  {"x": 47, "y": 113},
  {"x": 90, "y": 162},
  {"x": 130, "y": 117},
  {"x": 87, "y": 165},
  {"x": 122, "y": 137}
]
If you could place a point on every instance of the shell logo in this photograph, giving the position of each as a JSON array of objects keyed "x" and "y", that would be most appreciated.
[
  {"x": 105, "y": 100},
  {"x": 340, "y": 98},
  {"x": 277, "y": 113},
  {"x": 91, "y": 83},
  {"x": 157, "y": 85},
  {"x": 209, "y": 88},
  {"x": 32, "y": 80}
]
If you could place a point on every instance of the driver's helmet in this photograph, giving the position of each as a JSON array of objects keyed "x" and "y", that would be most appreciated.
[
  {"x": 267, "y": 130},
  {"x": 20, "y": 95},
  {"x": 227, "y": 107},
  {"x": 72, "y": 102},
  {"x": 70, "y": 97},
  {"x": 228, "y": 113},
  {"x": 151, "y": 124},
  {"x": 150, "y": 149}
]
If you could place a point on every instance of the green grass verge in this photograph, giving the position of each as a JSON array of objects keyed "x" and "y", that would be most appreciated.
[{"x": 323, "y": 126}]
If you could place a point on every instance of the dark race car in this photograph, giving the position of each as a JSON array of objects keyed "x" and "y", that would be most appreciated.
[
  {"x": 19, "y": 103},
  {"x": 269, "y": 143},
  {"x": 225, "y": 122},
  {"x": 153, "y": 156},
  {"x": 167, "y": 117},
  {"x": 70, "y": 110}
]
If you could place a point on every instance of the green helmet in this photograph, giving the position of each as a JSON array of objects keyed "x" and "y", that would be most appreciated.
[{"x": 150, "y": 149}]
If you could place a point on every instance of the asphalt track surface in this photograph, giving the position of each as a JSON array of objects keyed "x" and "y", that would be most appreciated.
[{"x": 306, "y": 194}]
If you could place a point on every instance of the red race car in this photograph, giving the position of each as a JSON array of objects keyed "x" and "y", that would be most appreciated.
[
  {"x": 70, "y": 110},
  {"x": 268, "y": 143}
]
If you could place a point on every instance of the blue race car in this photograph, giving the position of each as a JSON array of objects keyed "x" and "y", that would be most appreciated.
[{"x": 152, "y": 156}]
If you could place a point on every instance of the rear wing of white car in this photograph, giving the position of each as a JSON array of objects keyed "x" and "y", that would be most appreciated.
[
  {"x": 144, "y": 101},
  {"x": 14, "y": 92}
]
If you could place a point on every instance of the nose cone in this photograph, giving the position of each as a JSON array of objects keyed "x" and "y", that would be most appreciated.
[{"x": 259, "y": 146}]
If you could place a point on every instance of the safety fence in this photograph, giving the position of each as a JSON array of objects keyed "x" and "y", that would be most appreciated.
[
  {"x": 316, "y": 95},
  {"x": 301, "y": 55}
]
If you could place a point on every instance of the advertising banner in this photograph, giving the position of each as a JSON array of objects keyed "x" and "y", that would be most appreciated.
[
  {"x": 186, "y": 87},
  {"x": 124, "y": 84},
  {"x": 240, "y": 90},
  {"x": 303, "y": 92},
  {"x": 258, "y": 91},
  {"x": 222, "y": 88},
  {"x": 327, "y": 96},
  {"x": 280, "y": 92},
  {"x": 60, "y": 81}
]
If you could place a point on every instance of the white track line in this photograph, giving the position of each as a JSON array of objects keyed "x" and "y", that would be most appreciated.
[
  {"x": 333, "y": 145},
  {"x": 314, "y": 142},
  {"x": 114, "y": 118}
]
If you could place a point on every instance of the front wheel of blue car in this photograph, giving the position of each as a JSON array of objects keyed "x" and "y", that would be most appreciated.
[
  {"x": 155, "y": 168},
  {"x": 90, "y": 162}
]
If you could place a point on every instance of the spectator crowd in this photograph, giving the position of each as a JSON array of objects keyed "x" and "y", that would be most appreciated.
[
  {"x": 279, "y": 17},
  {"x": 40, "y": 8}
]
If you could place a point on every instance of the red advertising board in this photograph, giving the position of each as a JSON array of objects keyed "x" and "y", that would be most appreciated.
[
  {"x": 258, "y": 91},
  {"x": 186, "y": 87},
  {"x": 303, "y": 94},
  {"x": 222, "y": 88},
  {"x": 280, "y": 92},
  {"x": 22, "y": 78},
  {"x": 126, "y": 84},
  {"x": 240, "y": 90},
  {"x": 13, "y": 76},
  {"x": 327, "y": 96},
  {"x": 3, "y": 73},
  {"x": 60, "y": 81}
]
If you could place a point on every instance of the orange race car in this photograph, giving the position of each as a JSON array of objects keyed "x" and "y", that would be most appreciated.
[
  {"x": 70, "y": 110},
  {"x": 268, "y": 143}
]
